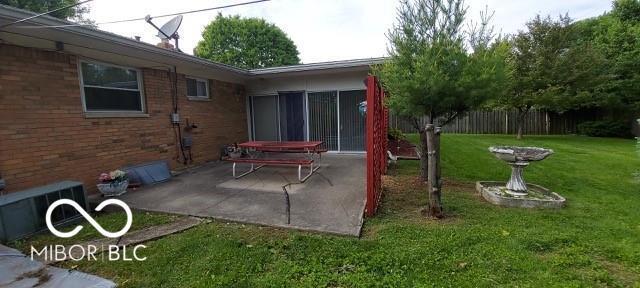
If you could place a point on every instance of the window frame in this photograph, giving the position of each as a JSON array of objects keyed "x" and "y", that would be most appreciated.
[
  {"x": 194, "y": 97},
  {"x": 139, "y": 75}
]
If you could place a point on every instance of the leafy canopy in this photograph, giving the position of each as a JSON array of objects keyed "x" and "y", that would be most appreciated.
[
  {"x": 615, "y": 36},
  {"x": 246, "y": 43},
  {"x": 627, "y": 10},
  {"x": 430, "y": 71},
  {"x": 76, "y": 13},
  {"x": 550, "y": 68}
]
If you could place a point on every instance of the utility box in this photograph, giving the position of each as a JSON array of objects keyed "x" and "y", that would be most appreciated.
[
  {"x": 23, "y": 213},
  {"x": 175, "y": 118}
]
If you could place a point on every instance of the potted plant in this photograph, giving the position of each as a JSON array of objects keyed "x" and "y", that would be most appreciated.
[
  {"x": 234, "y": 151},
  {"x": 114, "y": 183}
]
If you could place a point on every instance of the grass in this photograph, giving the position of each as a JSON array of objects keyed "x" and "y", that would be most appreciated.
[
  {"x": 593, "y": 242},
  {"x": 109, "y": 221}
]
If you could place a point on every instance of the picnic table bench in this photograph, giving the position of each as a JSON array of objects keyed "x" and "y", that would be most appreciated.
[{"x": 303, "y": 147}]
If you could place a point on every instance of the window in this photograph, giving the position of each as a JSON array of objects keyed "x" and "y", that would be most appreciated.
[
  {"x": 108, "y": 88},
  {"x": 197, "y": 88}
]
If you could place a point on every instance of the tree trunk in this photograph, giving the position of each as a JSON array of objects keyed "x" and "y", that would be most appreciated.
[
  {"x": 424, "y": 168},
  {"x": 519, "y": 135},
  {"x": 437, "y": 132},
  {"x": 435, "y": 203},
  {"x": 522, "y": 116},
  {"x": 424, "y": 165}
]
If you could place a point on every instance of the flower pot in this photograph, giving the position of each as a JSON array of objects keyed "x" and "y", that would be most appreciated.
[
  {"x": 113, "y": 188},
  {"x": 235, "y": 154}
]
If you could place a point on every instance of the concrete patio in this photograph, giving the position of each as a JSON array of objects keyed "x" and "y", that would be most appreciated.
[
  {"x": 332, "y": 200},
  {"x": 20, "y": 271}
]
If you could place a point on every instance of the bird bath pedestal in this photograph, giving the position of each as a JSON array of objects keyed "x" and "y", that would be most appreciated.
[{"x": 516, "y": 192}]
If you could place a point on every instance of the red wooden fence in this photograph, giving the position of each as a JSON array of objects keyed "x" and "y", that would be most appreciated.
[{"x": 377, "y": 125}]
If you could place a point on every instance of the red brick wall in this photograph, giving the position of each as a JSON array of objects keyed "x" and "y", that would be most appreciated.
[{"x": 45, "y": 136}]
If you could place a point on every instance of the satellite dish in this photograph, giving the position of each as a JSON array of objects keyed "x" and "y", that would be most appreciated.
[{"x": 169, "y": 29}]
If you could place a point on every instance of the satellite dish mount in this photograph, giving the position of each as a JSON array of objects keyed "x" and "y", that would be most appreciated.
[{"x": 169, "y": 30}]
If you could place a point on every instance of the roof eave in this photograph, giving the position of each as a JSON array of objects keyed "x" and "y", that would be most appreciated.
[
  {"x": 15, "y": 13},
  {"x": 12, "y": 13},
  {"x": 363, "y": 63}
]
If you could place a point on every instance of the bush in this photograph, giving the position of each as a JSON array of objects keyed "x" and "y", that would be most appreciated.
[
  {"x": 395, "y": 134},
  {"x": 605, "y": 128}
]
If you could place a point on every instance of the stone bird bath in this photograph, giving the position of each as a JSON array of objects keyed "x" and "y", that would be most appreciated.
[
  {"x": 516, "y": 192},
  {"x": 518, "y": 158}
]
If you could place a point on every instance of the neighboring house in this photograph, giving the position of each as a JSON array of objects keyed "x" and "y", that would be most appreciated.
[{"x": 76, "y": 101}]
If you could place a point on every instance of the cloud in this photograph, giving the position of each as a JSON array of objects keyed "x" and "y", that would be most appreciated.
[{"x": 323, "y": 30}]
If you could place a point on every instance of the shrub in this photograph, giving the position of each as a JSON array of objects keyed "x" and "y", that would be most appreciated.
[
  {"x": 396, "y": 134},
  {"x": 605, "y": 128}
]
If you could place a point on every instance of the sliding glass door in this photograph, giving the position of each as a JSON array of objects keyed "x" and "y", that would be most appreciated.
[
  {"x": 352, "y": 122},
  {"x": 323, "y": 118},
  {"x": 292, "y": 124},
  {"x": 265, "y": 118},
  {"x": 278, "y": 117},
  {"x": 330, "y": 116}
]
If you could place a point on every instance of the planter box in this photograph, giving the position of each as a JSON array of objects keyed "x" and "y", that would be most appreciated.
[{"x": 113, "y": 189}]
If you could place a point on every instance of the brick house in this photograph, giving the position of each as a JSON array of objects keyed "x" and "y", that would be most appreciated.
[{"x": 76, "y": 101}]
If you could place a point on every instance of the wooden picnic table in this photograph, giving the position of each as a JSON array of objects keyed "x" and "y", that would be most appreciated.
[
  {"x": 307, "y": 147},
  {"x": 284, "y": 146}
]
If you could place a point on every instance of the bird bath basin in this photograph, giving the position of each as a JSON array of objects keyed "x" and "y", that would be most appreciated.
[
  {"x": 518, "y": 158},
  {"x": 516, "y": 193}
]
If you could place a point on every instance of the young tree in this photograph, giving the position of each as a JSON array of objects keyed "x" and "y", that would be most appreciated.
[
  {"x": 76, "y": 13},
  {"x": 247, "y": 43},
  {"x": 430, "y": 72},
  {"x": 533, "y": 56}
]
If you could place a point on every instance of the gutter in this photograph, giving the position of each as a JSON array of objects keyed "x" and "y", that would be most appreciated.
[{"x": 318, "y": 66}]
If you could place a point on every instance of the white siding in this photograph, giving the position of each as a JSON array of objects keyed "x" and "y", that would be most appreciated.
[{"x": 325, "y": 82}]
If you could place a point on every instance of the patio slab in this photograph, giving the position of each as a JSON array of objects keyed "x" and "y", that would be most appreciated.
[
  {"x": 332, "y": 200},
  {"x": 19, "y": 271}
]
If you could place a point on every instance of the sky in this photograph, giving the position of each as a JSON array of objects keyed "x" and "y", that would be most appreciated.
[{"x": 323, "y": 30}]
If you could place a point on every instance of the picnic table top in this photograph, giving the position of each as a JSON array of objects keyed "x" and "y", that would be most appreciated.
[{"x": 281, "y": 144}]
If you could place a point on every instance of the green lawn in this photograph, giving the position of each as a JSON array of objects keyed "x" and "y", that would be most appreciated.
[
  {"x": 594, "y": 241},
  {"x": 109, "y": 221}
]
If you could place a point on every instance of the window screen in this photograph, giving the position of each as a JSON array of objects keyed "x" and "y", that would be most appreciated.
[
  {"x": 111, "y": 88},
  {"x": 352, "y": 123},
  {"x": 197, "y": 88},
  {"x": 323, "y": 118}
]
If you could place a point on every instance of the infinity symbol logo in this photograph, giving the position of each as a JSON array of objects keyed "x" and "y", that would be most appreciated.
[{"x": 86, "y": 215}]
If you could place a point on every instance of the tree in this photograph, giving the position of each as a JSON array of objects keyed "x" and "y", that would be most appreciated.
[
  {"x": 624, "y": 53},
  {"x": 615, "y": 37},
  {"x": 76, "y": 13},
  {"x": 627, "y": 10},
  {"x": 246, "y": 43},
  {"x": 430, "y": 71},
  {"x": 549, "y": 69}
]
